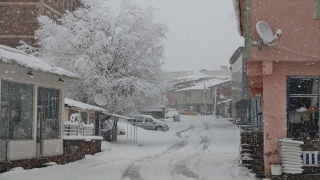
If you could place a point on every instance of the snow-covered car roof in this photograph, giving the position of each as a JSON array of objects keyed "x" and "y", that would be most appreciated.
[
  {"x": 154, "y": 119},
  {"x": 83, "y": 106},
  {"x": 15, "y": 56}
]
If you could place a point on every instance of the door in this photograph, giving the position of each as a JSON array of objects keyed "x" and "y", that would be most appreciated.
[
  {"x": 3, "y": 135},
  {"x": 39, "y": 131}
]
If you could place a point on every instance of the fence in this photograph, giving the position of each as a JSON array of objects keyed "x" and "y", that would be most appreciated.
[{"x": 76, "y": 129}]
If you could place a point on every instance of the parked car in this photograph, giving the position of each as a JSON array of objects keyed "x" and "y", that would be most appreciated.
[
  {"x": 187, "y": 112},
  {"x": 149, "y": 123},
  {"x": 173, "y": 113}
]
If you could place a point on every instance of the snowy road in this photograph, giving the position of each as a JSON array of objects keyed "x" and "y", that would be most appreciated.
[{"x": 197, "y": 148}]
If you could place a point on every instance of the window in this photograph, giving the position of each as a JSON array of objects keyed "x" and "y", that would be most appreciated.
[
  {"x": 140, "y": 119},
  {"x": 49, "y": 99},
  {"x": 303, "y": 104},
  {"x": 84, "y": 117},
  {"x": 65, "y": 4},
  {"x": 16, "y": 110},
  {"x": 149, "y": 120},
  {"x": 73, "y": 7}
]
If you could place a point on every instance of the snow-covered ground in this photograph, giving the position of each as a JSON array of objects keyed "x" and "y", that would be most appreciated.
[{"x": 198, "y": 147}]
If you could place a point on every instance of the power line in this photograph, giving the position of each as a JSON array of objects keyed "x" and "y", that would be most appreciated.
[{"x": 295, "y": 52}]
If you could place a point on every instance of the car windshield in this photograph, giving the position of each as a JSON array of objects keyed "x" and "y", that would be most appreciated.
[{"x": 149, "y": 120}]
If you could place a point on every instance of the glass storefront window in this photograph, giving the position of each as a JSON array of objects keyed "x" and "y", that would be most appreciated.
[
  {"x": 304, "y": 86},
  {"x": 16, "y": 110},
  {"x": 303, "y": 109},
  {"x": 49, "y": 99}
]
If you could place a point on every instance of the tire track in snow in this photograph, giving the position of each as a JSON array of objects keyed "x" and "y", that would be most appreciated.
[
  {"x": 132, "y": 172},
  {"x": 179, "y": 133},
  {"x": 204, "y": 139},
  {"x": 184, "y": 168}
]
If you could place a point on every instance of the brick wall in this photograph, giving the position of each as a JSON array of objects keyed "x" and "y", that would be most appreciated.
[
  {"x": 73, "y": 150},
  {"x": 18, "y": 19}
]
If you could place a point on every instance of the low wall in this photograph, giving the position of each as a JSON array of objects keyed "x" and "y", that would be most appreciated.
[
  {"x": 92, "y": 147},
  {"x": 73, "y": 150}
]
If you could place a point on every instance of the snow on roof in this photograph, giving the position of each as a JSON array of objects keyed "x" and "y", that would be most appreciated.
[
  {"x": 237, "y": 13},
  {"x": 194, "y": 76},
  {"x": 15, "y": 56},
  {"x": 212, "y": 82},
  {"x": 225, "y": 101},
  {"x": 86, "y": 138},
  {"x": 83, "y": 106}
]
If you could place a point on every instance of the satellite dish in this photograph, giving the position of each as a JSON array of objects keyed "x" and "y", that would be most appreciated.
[
  {"x": 100, "y": 99},
  {"x": 265, "y": 33}
]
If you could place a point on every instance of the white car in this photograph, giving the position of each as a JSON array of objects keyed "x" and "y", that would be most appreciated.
[
  {"x": 173, "y": 113},
  {"x": 149, "y": 123}
]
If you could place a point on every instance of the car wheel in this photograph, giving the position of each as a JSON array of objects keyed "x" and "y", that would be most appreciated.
[{"x": 159, "y": 128}]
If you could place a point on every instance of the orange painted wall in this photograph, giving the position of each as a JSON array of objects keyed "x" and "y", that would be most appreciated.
[
  {"x": 300, "y": 33},
  {"x": 274, "y": 101},
  {"x": 296, "y": 19}
]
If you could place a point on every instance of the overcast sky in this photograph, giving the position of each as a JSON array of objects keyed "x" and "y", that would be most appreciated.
[{"x": 202, "y": 33}]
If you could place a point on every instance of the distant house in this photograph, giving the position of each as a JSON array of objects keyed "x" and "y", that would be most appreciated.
[
  {"x": 223, "y": 71},
  {"x": 157, "y": 112},
  {"x": 32, "y": 101},
  {"x": 199, "y": 97},
  {"x": 222, "y": 97},
  {"x": 224, "y": 108}
]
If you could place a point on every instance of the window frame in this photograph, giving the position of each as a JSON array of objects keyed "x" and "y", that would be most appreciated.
[
  {"x": 290, "y": 95},
  {"x": 58, "y": 116},
  {"x": 8, "y": 117}
]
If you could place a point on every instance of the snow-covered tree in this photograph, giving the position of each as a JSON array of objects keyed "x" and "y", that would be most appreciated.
[{"x": 117, "y": 54}]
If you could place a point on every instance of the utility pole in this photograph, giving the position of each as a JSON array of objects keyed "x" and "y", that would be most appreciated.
[
  {"x": 215, "y": 99},
  {"x": 204, "y": 98}
]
